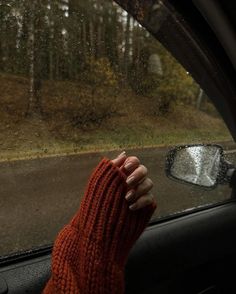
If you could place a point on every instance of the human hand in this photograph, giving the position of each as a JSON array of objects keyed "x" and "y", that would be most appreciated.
[{"x": 139, "y": 183}]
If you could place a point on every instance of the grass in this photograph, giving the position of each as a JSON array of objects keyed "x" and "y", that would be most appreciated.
[{"x": 132, "y": 127}]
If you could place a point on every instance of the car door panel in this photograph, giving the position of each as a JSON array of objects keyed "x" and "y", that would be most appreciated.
[
  {"x": 182, "y": 250},
  {"x": 191, "y": 253}
]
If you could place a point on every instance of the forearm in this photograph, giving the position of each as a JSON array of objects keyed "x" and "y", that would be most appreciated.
[
  {"x": 90, "y": 253},
  {"x": 79, "y": 266}
]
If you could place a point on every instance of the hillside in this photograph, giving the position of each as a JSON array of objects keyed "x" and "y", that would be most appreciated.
[{"x": 57, "y": 131}]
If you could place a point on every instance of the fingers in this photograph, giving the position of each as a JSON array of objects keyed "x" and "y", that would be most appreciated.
[
  {"x": 140, "y": 185},
  {"x": 142, "y": 202},
  {"x": 142, "y": 189},
  {"x": 130, "y": 164},
  {"x": 137, "y": 176},
  {"x": 138, "y": 195},
  {"x": 120, "y": 159}
]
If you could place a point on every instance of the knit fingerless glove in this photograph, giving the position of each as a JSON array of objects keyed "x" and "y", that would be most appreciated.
[{"x": 90, "y": 253}]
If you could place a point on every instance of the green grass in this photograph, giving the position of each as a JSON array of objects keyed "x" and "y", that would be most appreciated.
[
  {"x": 106, "y": 141},
  {"x": 128, "y": 138},
  {"x": 132, "y": 127}
]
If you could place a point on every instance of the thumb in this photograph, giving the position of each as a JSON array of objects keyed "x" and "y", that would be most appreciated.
[{"x": 120, "y": 159}]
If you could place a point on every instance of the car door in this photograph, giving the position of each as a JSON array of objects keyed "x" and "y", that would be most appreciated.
[{"x": 78, "y": 85}]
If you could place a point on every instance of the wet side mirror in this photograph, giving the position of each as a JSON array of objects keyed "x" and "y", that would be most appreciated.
[{"x": 201, "y": 165}]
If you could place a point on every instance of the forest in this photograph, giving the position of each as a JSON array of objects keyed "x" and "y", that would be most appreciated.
[{"x": 73, "y": 68}]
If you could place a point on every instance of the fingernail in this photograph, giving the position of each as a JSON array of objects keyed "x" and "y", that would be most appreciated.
[
  {"x": 122, "y": 154},
  {"x": 130, "y": 180},
  {"x": 133, "y": 206},
  {"x": 128, "y": 165},
  {"x": 129, "y": 195}
]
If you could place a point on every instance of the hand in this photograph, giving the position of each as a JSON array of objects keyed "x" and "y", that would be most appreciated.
[{"x": 139, "y": 184}]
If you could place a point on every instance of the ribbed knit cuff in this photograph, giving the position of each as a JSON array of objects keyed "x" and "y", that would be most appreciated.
[
  {"x": 104, "y": 215},
  {"x": 90, "y": 253},
  {"x": 100, "y": 190}
]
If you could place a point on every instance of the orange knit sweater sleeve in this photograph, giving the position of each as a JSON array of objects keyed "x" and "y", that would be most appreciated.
[{"x": 90, "y": 253}]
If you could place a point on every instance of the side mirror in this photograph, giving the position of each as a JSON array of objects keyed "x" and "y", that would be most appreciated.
[{"x": 201, "y": 165}]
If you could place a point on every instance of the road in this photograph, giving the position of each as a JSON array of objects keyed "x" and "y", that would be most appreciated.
[{"x": 39, "y": 196}]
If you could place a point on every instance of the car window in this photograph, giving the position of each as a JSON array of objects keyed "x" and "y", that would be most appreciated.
[{"x": 80, "y": 80}]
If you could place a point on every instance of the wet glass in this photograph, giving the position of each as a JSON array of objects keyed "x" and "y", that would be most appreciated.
[
  {"x": 199, "y": 165},
  {"x": 80, "y": 80}
]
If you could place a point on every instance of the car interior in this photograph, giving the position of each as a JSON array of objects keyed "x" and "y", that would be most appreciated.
[{"x": 192, "y": 252}]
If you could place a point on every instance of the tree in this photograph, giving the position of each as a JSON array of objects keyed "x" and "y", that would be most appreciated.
[
  {"x": 127, "y": 45},
  {"x": 34, "y": 54}
]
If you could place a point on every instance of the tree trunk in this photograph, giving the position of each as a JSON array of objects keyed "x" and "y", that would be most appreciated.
[
  {"x": 127, "y": 45},
  {"x": 84, "y": 40},
  {"x": 3, "y": 47},
  {"x": 34, "y": 102},
  {"x": 91, "y": 37},
  {"x": 200, "y": 99},
  {"x": 51, "y": 38},
  {"x": 5, "y": 42}
]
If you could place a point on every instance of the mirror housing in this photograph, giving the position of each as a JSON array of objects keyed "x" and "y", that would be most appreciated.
[{"x": 200, "y": 164}]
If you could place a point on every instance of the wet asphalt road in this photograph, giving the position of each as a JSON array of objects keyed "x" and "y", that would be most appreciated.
[{"x": 39, "y": 196}]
